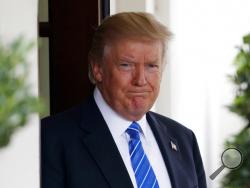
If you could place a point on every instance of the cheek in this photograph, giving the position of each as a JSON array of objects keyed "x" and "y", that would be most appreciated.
[
  {"x": 154, "y": 81},
  {"x": 118, "y": 85},
  {"x": 122, "y": 81}
]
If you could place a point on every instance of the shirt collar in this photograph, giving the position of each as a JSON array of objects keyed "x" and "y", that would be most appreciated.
[{"x": 116, "y": 123}]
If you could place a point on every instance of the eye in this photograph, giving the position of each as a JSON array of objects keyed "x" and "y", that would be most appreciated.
[
  {"x": 152, "y": 67},
  {"x": 125, "y": 66}
]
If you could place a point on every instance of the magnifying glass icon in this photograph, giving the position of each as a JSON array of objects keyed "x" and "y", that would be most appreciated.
[{"x": 231, "y": 158}]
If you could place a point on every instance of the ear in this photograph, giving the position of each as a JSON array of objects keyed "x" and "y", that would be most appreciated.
[{"x": 97, "y": 71}]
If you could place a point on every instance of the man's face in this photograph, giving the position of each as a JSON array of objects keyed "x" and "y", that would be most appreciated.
[{"x": 129, "y": 76}]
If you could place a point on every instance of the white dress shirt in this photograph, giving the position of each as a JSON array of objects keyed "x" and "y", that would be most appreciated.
[{"x": 118, "y": 125}]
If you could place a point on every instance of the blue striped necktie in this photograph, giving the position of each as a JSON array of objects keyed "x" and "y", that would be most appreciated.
[{"x": 144, "y": 174}]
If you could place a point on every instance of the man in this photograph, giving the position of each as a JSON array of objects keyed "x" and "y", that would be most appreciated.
[{"x": 113, "y": 140}]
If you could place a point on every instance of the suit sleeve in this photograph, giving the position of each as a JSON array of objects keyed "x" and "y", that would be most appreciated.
[
  {"x": 198, "y": 164},
  {"x": 52, "y": 169}
]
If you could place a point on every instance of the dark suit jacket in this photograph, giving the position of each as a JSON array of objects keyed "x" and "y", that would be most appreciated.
[{"x": 78, "y": 151}]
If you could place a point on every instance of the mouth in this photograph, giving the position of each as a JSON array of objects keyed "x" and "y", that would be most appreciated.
[{"x": 138, "y": 93}]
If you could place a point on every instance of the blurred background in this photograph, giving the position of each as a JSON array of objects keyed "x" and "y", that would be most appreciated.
[{"x": 195, "y": 89}]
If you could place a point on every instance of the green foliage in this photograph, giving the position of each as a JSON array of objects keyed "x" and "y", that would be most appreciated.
[
  {"x": 241, "y": 103},
  {"x": 240, "y": 178},
  {"x": 16, "y": 99}
]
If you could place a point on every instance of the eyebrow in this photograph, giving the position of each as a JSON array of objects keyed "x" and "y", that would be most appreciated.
[
  {"x": 132, "y": 61},
  {"x": 154, "y": 62},
  {"x": 127, "y": 58}
]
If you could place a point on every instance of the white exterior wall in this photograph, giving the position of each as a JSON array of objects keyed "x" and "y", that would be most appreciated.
[{"x": 19, "y": 162}]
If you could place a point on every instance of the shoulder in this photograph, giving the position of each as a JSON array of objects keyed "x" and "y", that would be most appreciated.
[
  {"x": 62, "y": 123},
  {"x": 168, "y": 122},
  {"x": 172, "y": 127}
]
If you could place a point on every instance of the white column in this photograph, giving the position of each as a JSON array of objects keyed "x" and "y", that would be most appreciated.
[
  {"x": 19, "y": 162},
  {"x": 130, "y": 5}
]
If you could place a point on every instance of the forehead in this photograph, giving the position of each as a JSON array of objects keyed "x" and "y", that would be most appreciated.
[{"x": 134, "y": 48}]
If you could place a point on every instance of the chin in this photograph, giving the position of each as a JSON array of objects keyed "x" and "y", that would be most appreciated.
[
  {"x": 137, "y": 114},
  {"x": 134, "y": 117}
]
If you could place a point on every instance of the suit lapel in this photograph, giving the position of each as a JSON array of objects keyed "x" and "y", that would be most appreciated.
[
  {"x": 168, "y": 146},
  {"x": 102, "y": 147}
]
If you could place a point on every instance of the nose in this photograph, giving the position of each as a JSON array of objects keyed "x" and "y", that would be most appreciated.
[{"x": 139, "y": 78}]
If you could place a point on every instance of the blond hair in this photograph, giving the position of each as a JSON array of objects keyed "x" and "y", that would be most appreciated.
[{"x": 126, "y": 25}]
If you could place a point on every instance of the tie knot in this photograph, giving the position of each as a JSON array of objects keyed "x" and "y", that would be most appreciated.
[{"x": 134, "y": 130}]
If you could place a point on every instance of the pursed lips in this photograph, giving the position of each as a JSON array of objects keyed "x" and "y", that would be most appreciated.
[{"x": 138, "y": 93}]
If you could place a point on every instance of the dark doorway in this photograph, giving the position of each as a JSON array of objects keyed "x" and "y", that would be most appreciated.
[{"x": 70, "y": 27}]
